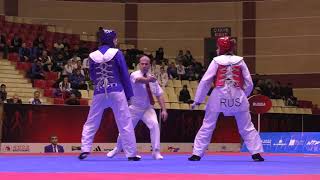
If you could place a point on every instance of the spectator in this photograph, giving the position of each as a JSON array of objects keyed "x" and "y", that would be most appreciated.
[
  {"x": 50, "y": 67},
  {"x": 185, "y": 95},
  {"x": 66, "y": 53},
  {"x": 180, "y": 56},
  {"x": 159, "y": 55},
  {"x": 188, "y": 59},
  {"x": 181, "y": 71},
  {"x": 58, "y": 45},
  {"x": 256, "y": 91},
  {"x": 45, "y": 58},
  {"x": 53, "y": 147},
  {"x": 172, "y": 71},
  {"x": 288, "y": 92},
  {"x": 276, "y": 92},
  {"x": 3, "y": 93},
  {"x": 24, "y": 53},
  {"x": 190, "y": 74},
  {"x": 100, "y": 29},
  {"x": 39, "y": 42},
  {"x": 163, "y": 77},
  {"x": 68, "y": 68},
  {"x": 59, "y": 61},
  {"x": 4, "y": 46},
  {"x": 36, "y": 99},
  {"x": 16, "y": 43},
  {"x": 197, "y": 66},
  {"x": 85, "y": 67},
  {"x": 64, "y": 88},
  {"x": 14, "y": 100},
  {"x": 37, "y": 71},
  {"x": 155, "y": 69},
  {"x": 78, "y": 80},
  {"x": 65, "y": 43},
  {"x": 73, "y": 100}
]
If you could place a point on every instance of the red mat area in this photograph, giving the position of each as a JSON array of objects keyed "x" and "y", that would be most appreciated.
[{"x": 104, "y": 176}]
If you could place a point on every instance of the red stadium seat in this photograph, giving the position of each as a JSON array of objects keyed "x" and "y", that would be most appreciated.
[
  {"x": 48, "y": 92},
  {"x": 38, "y": 83},
  {"x": 52, "y": 76},
  {"x": 13, "y": 57},
  {"x": 49, "y": 84},
  {"x": 84, "y": 102},
  {"x": 58, "y": 101}
]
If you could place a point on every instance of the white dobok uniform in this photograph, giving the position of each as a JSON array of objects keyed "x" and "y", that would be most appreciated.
[{"x": 233, "y": 84}]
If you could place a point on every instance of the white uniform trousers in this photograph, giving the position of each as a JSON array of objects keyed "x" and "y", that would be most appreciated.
[
  {"x": 246, "y": 129},
  {"x": 118, "y": 102},
  {"x": 149, "y": 117}
]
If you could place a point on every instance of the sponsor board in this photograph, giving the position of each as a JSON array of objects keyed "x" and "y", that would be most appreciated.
[
  {"x": 106, "y": 147},
  {"x": 290, "y": 142}
]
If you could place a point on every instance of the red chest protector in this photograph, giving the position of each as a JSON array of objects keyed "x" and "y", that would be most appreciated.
[{"x": 235, "y": 73}]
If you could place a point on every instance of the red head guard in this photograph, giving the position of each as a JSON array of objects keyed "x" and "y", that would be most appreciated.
[{"x": 225, "y": 45}]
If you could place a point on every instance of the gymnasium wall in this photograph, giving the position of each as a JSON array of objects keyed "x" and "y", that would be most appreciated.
[
  {"x": 184, "y": 26},
  {"x": 287, "y": 37},
  {"x": 80, "y": 16},
  {"x": 1, "y": 6}
]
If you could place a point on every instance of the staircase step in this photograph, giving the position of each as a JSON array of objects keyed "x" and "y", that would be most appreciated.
[
  {"x": 4, "y": 62},
  {"x": 21, "y": 94},
  {"x": 7, "y": 67},
  {"x": 15, "y": 85},
  {"x": 4, "y": 71},
  {"x": 11, "y": 76},
  {"x": 13, "y": 80},
  {"x": 19, "y": 90}
]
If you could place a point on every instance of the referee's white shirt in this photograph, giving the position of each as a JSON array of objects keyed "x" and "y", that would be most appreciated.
[{"x": 141, "y": 98}]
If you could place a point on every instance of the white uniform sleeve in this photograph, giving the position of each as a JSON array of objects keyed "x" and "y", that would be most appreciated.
[
  {"x": 248, "y": 84},
  {"x": 133, "y": 78},
  {"x": 206, "y": 82},
  {"x": 156, "y": 89}
]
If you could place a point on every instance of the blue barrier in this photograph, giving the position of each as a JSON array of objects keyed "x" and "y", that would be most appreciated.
[{"x": 289, "y": 142}]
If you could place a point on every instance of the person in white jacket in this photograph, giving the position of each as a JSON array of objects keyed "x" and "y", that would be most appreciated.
[{"x": 233, "y": 84}]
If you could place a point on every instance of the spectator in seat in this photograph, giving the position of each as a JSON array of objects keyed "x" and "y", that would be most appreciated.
[
  {"x": 66, "y": 53},
  {"x": 85, "y": 67},
  {"x": 78, "y": 80},
  {"x": 24, "y": 53},
  {"x": 68, "y": 68},
  {"x": 180, "y": 57},
  {"x": 37, "y": 71},
  {"x": 72, "y": 100},
  {"x": 3, "y": 93},
  {"x": 65, "y": 43},
  {"x": 185, "y": 95},
  {"x": 159, "y": 55},
  {"x": 58, "y": 45},
  {"x": 181, "y": 71},
  {"x": 54, "y": 147},
  {"x": 59, "y": 60},
  {"x": 14, "y": 100},
  {"x": 45, "y": 58},
  {"x": 257, "y": 91},
  {"x": 36, "y": 99},
  {"x": 163, "y": 77},
  {"x": 4, "y": 48},
  {"x": 64, "y": 90},
  {"x": 188, "y": 58},
  {"x": 16, "y": 43},
  {"x": 172, "y": 71}
]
